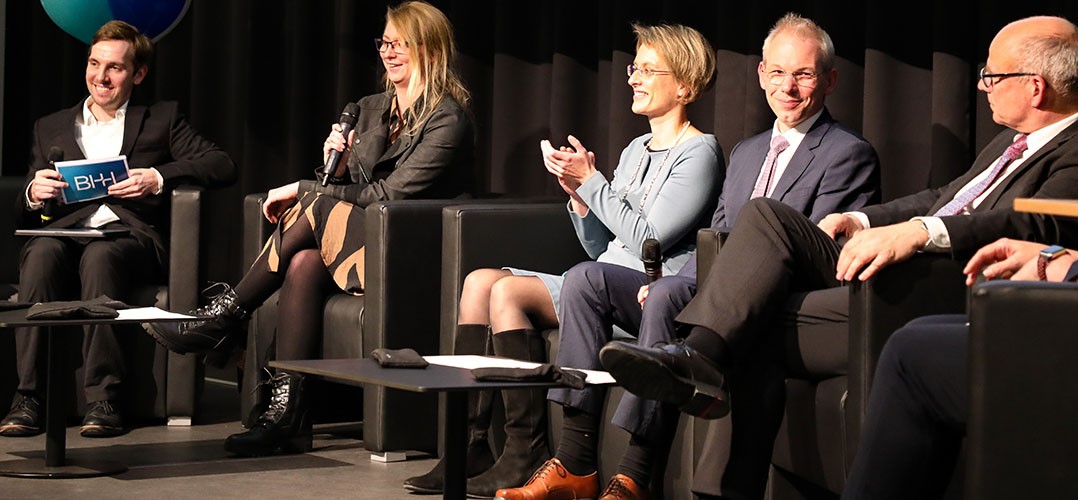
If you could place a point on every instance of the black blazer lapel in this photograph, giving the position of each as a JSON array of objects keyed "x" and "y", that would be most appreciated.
[
  {"x": 132, "y": 127},
  {"x": 1005, "y": 185}
]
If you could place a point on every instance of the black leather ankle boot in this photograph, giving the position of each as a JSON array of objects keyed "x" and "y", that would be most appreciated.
[
  {"x": 526, "y": 446},
  {"x": 470, "y": 339},
  {"x": 283, "y": 427},
  {"x": 218, "y": 332}
]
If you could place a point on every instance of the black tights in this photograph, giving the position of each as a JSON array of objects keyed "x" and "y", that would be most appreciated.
[{"x": 303, "y": 281}]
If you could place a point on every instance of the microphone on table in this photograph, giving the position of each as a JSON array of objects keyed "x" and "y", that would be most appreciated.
[
  {"x": 55, "y": 154},
  {"x": 347, "y": 121},
  {"x": 652, "y": 256}
]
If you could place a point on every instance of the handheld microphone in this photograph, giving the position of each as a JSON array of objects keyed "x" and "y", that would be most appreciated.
[
  {"x": 651, "y": 255},
  {"x": 347, "y": 121},
  {"x": 55, "y": 154}
]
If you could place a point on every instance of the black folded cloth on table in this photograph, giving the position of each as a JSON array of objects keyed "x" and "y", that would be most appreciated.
[
  {"x": 545, "y": 372},
  {"x": 398, "y": 358},
  {"x": 7, "y": 305},
  {"x": 101, "y": 307}
]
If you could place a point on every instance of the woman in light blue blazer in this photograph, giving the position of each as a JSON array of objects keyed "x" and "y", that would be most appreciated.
[{"x": 665, "y": 187}]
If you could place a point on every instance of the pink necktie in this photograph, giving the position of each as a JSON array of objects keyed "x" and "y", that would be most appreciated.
[
  {"x": 763, "y": 182},
  {"x": 964, "y": 198}
]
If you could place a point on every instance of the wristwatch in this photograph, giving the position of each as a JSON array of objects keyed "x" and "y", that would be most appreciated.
[{"x": 1045, "y": 257}]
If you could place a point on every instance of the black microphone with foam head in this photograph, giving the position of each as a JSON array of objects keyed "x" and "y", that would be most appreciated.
[
  {"x": 651, "y": 254},
  {"x": 347, "y": 121},
  {"x": 55, "y": 154}
]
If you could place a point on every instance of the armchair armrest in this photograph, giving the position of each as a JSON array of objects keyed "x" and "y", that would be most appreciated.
[
  {"x": 1022, "y": 406},
  {"x": 255, "y": 228},
  {"x": 183, "y": 260},
  {"x": 708, "y": 244},
  {"x": 926, "y": 284},
  {"x": 528, "y": 235},
  {"x": 183, "y": 290}
]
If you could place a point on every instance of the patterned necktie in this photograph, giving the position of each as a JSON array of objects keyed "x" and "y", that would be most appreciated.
[
  {"x": 964, "y": 198},
  {"x": 778, "y": 145}
]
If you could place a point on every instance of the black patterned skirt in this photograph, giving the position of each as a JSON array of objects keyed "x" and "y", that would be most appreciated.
[{"x": 339, "y": 231}]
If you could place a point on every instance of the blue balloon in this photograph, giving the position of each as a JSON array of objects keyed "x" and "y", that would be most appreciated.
[{"x": 82, "y": 18}]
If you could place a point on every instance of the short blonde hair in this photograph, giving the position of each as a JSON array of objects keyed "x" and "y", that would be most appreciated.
[{"x": 690, "y": 56}]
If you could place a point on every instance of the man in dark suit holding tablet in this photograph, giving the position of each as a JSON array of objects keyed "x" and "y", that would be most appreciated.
[{"x": 162, "y": 151}]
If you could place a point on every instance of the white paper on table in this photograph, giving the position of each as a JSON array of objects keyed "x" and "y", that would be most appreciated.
[
  {"x": 472, "y": 362},
  {"x": 149, "y": 314}
]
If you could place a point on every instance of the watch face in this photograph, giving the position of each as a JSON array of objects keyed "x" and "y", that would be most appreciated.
[{"x": 1052, "y": 252}]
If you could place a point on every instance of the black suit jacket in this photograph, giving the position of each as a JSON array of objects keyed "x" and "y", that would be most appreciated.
[
  {"x": 156, "y": 136},
  {"x": 435, "y": 162},
  {"x": 1051, "y": 172}
]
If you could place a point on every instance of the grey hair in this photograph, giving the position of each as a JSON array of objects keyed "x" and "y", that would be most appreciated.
[
  {"x": 1054, "y": 57},
  {"x": 804, "y": 26}
]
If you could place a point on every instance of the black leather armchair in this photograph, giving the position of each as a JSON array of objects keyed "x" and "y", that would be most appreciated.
[
  {"x": 539, "y": 236},
  {"x": 398, "y": 310},
  {"x": 820, "y": 432},
  {"x": 1021, "y": 435},
  {"x": 160, "y": 384}
]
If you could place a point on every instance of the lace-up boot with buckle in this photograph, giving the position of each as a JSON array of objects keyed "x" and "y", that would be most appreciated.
[
  {"x": 215, "y": 334},
  {"x": 283, "y": 427}
]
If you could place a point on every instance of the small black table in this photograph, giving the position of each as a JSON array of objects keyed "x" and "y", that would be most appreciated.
[
  {"x": 56, "y": 465},
  {"x": 455, "y": 382}
]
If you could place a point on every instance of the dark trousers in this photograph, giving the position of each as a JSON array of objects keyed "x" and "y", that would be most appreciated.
[
  {"x": 772, "y": 295},
  {"x": 65, "y": 269},
  {"x": 595, "y": 297},
  {"x": 917, "y": 412}
]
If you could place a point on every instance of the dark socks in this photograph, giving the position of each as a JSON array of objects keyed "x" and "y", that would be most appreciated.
[
  {"x": 637, "y": 462},
  {"x": 579, "y": 447},
  {"x": 710, "y": 344}
]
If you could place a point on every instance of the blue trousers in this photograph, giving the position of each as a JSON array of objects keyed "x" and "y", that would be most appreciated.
[{"x": 595, "y": 297}]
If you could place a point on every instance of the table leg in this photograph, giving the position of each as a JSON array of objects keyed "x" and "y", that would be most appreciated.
[
  {"x": 55, "y": 395},
  {"x": 456, "y": 445}
]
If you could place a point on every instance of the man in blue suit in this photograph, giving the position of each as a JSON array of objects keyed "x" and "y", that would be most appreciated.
[{"x": 816, "y": 166}]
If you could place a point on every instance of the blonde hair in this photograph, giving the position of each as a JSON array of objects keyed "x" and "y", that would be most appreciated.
[
  {"x": 433, "y": 53},
  {"x": 690, "y": 56},
  {"x": 802, "y": 26}
]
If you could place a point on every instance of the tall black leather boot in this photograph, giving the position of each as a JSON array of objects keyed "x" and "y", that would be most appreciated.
[
  {"x": 216, "y": 334},
  {"x": 470, "y": 339},
  {"x": 283, "y": 427},
  {"x": 526, "y": 447}
]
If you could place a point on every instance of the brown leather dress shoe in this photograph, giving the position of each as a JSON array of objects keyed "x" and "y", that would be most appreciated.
[
  {"x": 622, "y": 487},
  {"x": 553, "y": 482}
]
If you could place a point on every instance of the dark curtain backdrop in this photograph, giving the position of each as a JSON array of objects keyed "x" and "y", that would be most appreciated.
[{"x": 265, "y": 79}]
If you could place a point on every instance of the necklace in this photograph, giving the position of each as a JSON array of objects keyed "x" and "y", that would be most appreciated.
[{"x": 640, "y": 164}]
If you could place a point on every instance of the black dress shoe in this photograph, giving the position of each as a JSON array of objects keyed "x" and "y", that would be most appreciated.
[
  {"x": 672, "y": 373},
  {"x": 24, "y": 419},
  {"x": 102, "y": 420}
]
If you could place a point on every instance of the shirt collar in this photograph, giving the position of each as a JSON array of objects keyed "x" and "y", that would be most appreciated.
[
  {"x": 87, "y": 117},
  {"x": 799, "y": 131},
  {"x": 1038, "y": 138}
]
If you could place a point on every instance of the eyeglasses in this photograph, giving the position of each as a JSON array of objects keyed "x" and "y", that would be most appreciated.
[
  {"x": 803, "y": 79},
  {"x": 398, "y": 46},
  {"x": 991, "y": 79},
  {"x": 647, "y": 72}
]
